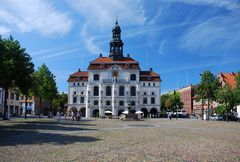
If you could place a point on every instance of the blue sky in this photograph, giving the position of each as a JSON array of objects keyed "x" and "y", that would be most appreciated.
[{"x": 179, "y": 39}]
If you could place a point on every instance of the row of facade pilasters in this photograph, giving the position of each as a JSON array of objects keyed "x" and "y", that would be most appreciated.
[{"x": 114, "y": 99}]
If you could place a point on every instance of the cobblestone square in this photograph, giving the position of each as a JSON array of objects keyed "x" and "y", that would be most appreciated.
[{"x": 116, "y": 140}]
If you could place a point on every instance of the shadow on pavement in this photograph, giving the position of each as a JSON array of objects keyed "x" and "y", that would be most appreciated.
[{"x": 33, "y": 133}]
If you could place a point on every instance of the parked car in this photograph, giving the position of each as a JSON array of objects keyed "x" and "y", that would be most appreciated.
[{"x": 216, "y": 117}]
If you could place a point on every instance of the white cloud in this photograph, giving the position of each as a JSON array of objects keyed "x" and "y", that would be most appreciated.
[
  {"x": 100, "y": 17},
  {"x": 88, "y": 40},
  {"x": 102, "y": 13},
  {"x": 4, "y": 30},
  {"x": 162, "y": 47},
  {"x": 34, "y": 15},
  {"x": 227, "y": 4},
  {"x": 219, "y": 35}
]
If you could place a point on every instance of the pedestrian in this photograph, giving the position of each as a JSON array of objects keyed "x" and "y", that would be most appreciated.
[
  {"x": 58, "y": 116},
  {"x": 170, "y": 116},
  {"x": 78, "y": 116},
  {"x": 73, "y": 115}
]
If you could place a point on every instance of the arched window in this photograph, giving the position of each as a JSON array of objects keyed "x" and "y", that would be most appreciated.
[
  {"x": 96, "y": 91},
  {"x": 96, "y": 77},
  {"x": 108, "y": 91},
  {"x": 121, "y": 91},
  {"x": 133, "y": 91},
  {"x": 133, "y": 77}
]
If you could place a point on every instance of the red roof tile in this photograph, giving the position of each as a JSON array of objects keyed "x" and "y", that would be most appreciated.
[
  {"x": 78, "y": 76},
  {"x": 110, "y": 60},
  {"x": 79, "y": 73},
  {"x": 229, "y": 78},
  {"x": 149, "y": 76},
  {"x": 102, "y": 63}
]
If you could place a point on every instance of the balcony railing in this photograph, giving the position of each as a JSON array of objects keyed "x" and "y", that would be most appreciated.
[{"x": 116, "y": 81}]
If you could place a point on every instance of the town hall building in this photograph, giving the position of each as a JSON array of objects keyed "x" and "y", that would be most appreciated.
[{"x": 115, "y": 83}]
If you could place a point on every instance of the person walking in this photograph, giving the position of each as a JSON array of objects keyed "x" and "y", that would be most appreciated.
[
  {"x": 78, "y": 116},
  {"x": 58, "y": 116}
]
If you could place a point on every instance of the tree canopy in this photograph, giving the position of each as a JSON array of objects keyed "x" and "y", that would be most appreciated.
[
  {"x": 45, "y": 85},
  {"x": 16, "y": 67},
  {"x": 207, "y": 88}
]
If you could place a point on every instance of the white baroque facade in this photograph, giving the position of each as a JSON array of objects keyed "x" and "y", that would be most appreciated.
[{"x": 114, "y": 83}]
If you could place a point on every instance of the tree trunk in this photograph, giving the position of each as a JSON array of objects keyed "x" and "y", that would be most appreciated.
[
  {"x": 227, "y": 112},
  {"x": 5, "y": 106},
  {"x": 26, "y": 98},
  {"x": 40, "y": 106},
  {"x": 50, "y": 109},
  {"x": 208, "y": 109},
  {"x": 202, "y": 110}
]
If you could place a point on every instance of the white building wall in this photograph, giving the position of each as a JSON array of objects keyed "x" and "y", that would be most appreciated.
[{"x": 106, "y": 79}]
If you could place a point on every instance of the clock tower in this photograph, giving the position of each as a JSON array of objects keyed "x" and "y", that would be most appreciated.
[{"x": 116, "y": 44}]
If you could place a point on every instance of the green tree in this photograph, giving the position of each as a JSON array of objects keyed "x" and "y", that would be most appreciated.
[
  {"x": 228, "y": 96},
  {"x": 238, "y": 86},
  {"x": 175, "y": 102},
  {"x": 164, "y": 102},
  {"x": 45, "y": 86},
  {"x": 221, "y": 109},
  {"x": 16, "y": 67},
  {"x": 207, "y": 89},
  {"x": 60, "y": 101}
]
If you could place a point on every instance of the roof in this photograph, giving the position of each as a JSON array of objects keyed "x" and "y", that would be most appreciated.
[
  {"x": 110, "y": 60},
  {"x": 78, "y": 76},
  {"x": 149, "y": 76},
  {"x": 102, "y": 63},
  {"x": 229, "y": 78}
]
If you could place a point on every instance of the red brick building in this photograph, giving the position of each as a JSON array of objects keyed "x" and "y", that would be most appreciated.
[{"x": 186, "y": 95}]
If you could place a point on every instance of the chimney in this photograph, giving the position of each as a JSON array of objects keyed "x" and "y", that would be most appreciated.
[
  {"x": 128, "y": 55},
  {"x": 100, "y": 55},
  {"x": 150, "y": 69},
  {"x": 79, "y": 70}
]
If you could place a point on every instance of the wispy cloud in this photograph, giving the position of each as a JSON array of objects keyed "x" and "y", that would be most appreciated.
[
  {"x": 227, "y": 4},
  {"x": 162, "y": 47},
  {"x": 34, "y": 15},
  {"x": 103, "y": 12},
  {"x": 214, "y": 37},
  {"x": 4, "y": 30},
  {"x": 56, "y": 54},
  {"x": 99, "y": 14},
  {"x": 197, "y": 66}
]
